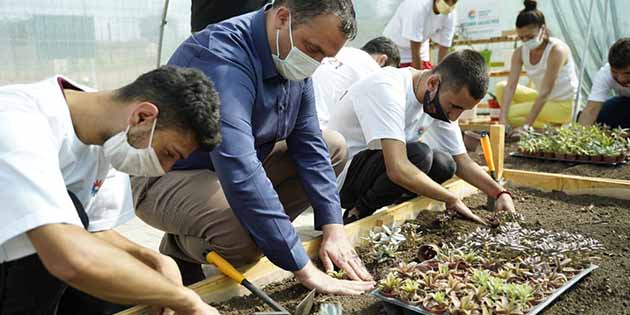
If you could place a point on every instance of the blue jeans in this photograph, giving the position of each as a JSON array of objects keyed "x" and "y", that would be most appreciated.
[{"x": 615, "y": 112}]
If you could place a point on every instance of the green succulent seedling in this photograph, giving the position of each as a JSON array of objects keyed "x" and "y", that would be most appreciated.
[
  {"x": 443, "y": 270},
  {"x": 496, "y": 287},
  {"x": 524, "y": 293},
  {"x": 439, "y": 297},
  {"x": 481, "y": 278},
  {"x": 389, "y": 284},
  {"x": 338, "y": 274},
  {"x": 471, "y": 257}
]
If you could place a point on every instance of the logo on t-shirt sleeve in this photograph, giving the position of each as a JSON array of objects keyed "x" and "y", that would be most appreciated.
[{"x": 96, "y": 186}]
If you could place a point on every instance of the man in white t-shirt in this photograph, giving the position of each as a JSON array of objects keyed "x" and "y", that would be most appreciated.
[
  {"x": 604, "y": 108},
  {"x": 418, "y": 21},
  {"x": 398, "y": 124},
  {"x": 58, "y": 143},
  {"x": 350, "y": 65}
]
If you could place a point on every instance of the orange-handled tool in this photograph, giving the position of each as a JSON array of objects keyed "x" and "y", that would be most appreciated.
[
  {"x": 487, "y": 153},
  {"x": 227, "y": 269}
]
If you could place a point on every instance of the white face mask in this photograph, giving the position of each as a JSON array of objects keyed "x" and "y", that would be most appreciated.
[
  {"x": 534, "y": 42},
  {"x": 297, "y": 65},
  {"x": 444, "y": 8},
  {"x": 127, "y": 159}
]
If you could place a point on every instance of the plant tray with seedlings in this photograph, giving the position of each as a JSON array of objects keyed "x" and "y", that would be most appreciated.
[
  {"x": 579, "y": 160},
  {"x": 576, "y": 144},
  {"x": 509, "y": 270}
]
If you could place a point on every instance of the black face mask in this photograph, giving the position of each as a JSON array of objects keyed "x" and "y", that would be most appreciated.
[{"x": 433, "y": 107}]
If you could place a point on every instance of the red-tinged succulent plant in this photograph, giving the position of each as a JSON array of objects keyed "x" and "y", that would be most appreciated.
[
  {"x": 464, "y": 306},
  {"x": 406, "y": 270},
  {"x": 505, "y": 307},
  {"x": 454, "y": 285}
]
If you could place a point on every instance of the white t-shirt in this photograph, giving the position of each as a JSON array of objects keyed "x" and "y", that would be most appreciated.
[
  {"x": 41, "y": 158},
  {"x": 384, "y": 106},
  {"x": 604, "y": 83},
  {"x": 336, "y": 75},
  {"x": 415, "y": 20}
]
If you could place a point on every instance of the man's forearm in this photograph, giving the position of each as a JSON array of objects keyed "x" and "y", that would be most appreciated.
[
  {"x": 416, "y": 62},
  {"x": 443, "y": 51},
  {"x": 413, "y": 179},
  {"x": 590, "y": 113},
  {"x": 142, "y": 253},
  {"x": 94, "y": 266}
]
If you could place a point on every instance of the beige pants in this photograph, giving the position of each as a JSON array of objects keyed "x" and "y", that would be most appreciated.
[{"x": 190, "y": 207}]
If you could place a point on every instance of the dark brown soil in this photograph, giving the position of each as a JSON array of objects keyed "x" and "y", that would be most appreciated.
[
  {"x": 616, "y": 172},
  {"x": 605, "y": 291}
]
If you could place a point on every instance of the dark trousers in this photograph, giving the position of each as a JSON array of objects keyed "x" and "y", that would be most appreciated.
[
  {"x": 27, "y": 288},
  {"x": 367, "y": 187},
  {"x": 615, "y": 112},
  {"x": 206, "y": 12}
]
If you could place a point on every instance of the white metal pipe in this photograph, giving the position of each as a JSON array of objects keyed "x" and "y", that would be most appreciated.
[
  {"x": 583, "y": 67},
  {"x": 162, "y": 27}
]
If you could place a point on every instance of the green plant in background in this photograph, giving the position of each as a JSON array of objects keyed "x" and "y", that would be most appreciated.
[{"x": 576, "y": 139}]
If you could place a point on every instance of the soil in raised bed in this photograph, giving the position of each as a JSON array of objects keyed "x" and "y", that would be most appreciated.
[
  {"x": 605, "y": 291},
  {"x": 616, "y": 172}
]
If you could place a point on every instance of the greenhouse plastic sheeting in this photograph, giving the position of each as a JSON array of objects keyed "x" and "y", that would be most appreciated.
[{"x": 102, "y": 44}]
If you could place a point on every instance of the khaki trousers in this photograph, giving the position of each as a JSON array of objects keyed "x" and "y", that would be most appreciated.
[{"x": 190, "y": 207}]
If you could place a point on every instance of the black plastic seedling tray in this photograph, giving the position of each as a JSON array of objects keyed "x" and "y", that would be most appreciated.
[
  {"x": 542, "y": 158},
  {"x": 397, "y": 307}
]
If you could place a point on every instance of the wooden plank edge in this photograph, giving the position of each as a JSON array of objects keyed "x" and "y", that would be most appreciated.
[
  {"x": 570, "y": 184},
  {"x": 219, "y": 288}
]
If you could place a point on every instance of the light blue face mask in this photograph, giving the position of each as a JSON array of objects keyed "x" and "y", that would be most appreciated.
[{"x": 297, "y": 65}]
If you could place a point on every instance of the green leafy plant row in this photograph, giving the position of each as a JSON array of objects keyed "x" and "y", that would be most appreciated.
[{"x": 575, "y": 141}]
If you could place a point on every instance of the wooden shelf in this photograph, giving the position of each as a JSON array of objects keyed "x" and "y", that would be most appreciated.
[
  {"x": 502, "y": 73},
  {"x": 465, "y": 42}
]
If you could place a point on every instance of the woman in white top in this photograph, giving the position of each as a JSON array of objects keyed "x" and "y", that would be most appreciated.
[{"x": 549, "y": 65}]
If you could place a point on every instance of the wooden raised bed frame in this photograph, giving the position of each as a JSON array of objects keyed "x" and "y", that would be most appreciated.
[{"x": 219, "y": 288}]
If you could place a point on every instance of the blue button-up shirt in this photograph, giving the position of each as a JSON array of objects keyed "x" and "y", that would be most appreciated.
[{"x": 259, "y": 108}]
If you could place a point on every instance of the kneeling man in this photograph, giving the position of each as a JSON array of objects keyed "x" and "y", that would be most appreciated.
[{"x": 402, "y": 140}]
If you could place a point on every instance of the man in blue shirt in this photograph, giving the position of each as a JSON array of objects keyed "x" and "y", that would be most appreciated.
[{"x": 274, "y": 160}]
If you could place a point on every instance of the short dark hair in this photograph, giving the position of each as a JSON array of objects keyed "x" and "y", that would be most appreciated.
[
  {"x": 464, "y": 68},
  {"x": 186, "y": 100},
  {"x": 304, "y": 10},
  {"x": 530, "y": 15},
  {"x": 619, "y": 54},
  {"x": 384, "y": 45}
]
